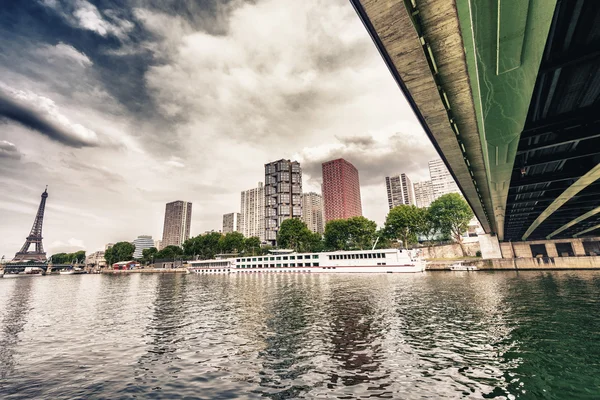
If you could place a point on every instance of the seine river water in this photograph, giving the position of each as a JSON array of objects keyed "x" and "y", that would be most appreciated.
[{"x": 503, "y": 335}]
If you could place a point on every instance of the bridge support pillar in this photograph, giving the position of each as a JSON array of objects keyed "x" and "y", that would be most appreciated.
[{"x": 490, "y": 247}]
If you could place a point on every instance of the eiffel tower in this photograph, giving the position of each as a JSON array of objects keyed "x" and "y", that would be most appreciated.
[{"x": 35, "y": 237}]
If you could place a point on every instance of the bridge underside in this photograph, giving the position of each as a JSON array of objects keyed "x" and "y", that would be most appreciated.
[
  {"x": 507, "y": 92},
  {"x": 554, "y": 180}
]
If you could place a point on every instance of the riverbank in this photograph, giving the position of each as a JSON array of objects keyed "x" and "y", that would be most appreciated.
[
  {"x": 146, "y": 271},
  {"x": 524, "y": 264}
]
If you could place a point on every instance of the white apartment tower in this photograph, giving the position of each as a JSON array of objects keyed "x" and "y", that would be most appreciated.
[
  {"x": 231, "y": 222},
  {"x": 283, "y": 195},
  {"x": 423, "y": 194},
  {"x": 142, "y": 243},
  {"x": 312, "y": 212},
  {"x": 252, "y": 218},
  {"x": 442, "y": 181},
  {"x": 399, "y": 190}
]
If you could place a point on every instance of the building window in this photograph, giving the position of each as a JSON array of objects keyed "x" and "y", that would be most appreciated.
[{"x": 316, "y": 256}]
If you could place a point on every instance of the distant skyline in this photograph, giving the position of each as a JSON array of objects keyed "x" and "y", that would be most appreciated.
[{"x": 121, "y": 109}]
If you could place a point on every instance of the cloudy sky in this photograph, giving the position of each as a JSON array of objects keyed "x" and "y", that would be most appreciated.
[{"x": 122, "y": 106}]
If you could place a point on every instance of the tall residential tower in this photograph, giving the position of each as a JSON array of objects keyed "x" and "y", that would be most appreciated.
[
  {"x": 341, "y": 190},
  {"x": 283, "y": 195},
  {"x": 231, "y": 222},
  {"x": 399, "y": 190},
  {"x": 178, "y": 219},
  {"x": 252, "y": 207},
  {"x": 312, "y": 212},
  {"x": 423, "y": 194},
  {"x": 442, "y": 181}
]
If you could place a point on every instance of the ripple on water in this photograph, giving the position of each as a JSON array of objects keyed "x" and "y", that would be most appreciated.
[{"x": 531, "y": 335}]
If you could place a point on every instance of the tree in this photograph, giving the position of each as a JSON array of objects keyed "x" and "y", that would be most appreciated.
[
  {"x": 232, "y": 242},
  {"x": 149, "y": 254},
  {"x": 404, "y": 222},
  {"x": 169, "y": 252},
  {"x": 349, "y": 234},
  {"x": 204, "y": 246},
  {"x": 252, "y": 246},
  {"x": 67, "y": 258},
  {"x": 451, "y": 214},
  {"x": 294, "y": 234},
  {"x": 121, "y": 251}
]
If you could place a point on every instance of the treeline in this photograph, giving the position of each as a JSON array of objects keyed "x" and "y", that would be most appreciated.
[
  {"x": 447, "y": 218},
  {"x": 68, "y": 258}
]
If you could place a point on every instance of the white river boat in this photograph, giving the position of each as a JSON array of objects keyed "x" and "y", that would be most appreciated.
[{"x": 281, "y": 261}]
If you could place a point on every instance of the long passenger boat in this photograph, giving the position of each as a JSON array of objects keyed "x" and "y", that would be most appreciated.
[{"x": 382, "y": 261}]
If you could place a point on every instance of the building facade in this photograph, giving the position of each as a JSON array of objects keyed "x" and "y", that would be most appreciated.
[
  {"x": 158, "y": 244},
  {"x": 423, "y": 194},
  {"x": 312, "y": 212},
  {"x": 442, "y": 181},
  {"x": 231, "y": 222},
  {"x": 399, "y": 190},
  {"x": 142, "y": 243},
  {"x": 95, "y": 259},
  {"x": 178, "y": 220},
  {"x": 252, "y": 207},
  {"x": 341, "y": 190},
  {"x": 283, "y": 195}
]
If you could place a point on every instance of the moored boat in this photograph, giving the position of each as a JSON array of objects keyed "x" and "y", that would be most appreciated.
[
  {"x": 355, "y": 261},
  {"x": 459, "y": 266}
]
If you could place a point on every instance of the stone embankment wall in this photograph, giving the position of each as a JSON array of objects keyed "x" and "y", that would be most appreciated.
[
  {"x": 529, "y": 263},
  {"x": 146, "y": 271},
  {"x": 450, "y": 250}
]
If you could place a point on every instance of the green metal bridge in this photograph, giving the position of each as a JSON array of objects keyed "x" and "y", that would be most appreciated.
[{"x": 508, "y": 92}]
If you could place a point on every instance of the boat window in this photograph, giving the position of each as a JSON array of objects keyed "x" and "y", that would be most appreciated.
[
  {"x": 279, "y": 258},
  {"x": 307, "y": 264},
  {"x": 315, "y": 264},
  {"x": 285, "y": 265},
  {"x": 299, "y": 257},
  {"x": 238, "y": 260},
  {"x": 260, "y": 259},
  {"x": 382, "y": 263},
  {"x": 292, "y": 257},
  {"x": 278, "y": 265},
  {"x": 292, "y": 265},
  {"x": 254, "y": 259},
  {"x": 316, "y": 256},
  {"x": 271, "y": 258},
  {"x": 285, "y": 257}
]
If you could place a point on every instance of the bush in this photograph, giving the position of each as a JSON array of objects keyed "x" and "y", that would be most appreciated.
[{"x": 478, "y": 254}]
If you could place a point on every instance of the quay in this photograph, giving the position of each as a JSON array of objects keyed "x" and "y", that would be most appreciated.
[{"x": 145, "y": 271}]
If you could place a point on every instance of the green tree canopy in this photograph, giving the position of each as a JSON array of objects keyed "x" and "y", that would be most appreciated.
[
  {"x": 149, "y": 254},
  {"x": 67, "y": 258},
  {"x": 294, "y": 234},
  {"x": 252, "y": 246},
  {"x": 404, "y": 222},
  {"x": 169, "y": 252},
  {"x": 231, "y": 242},
  {"x": 205, "y": 246},
  {"x": 121, "y": 251},
  {"x": 451, "y": 214},
  {"x": 349, "y": 234}
]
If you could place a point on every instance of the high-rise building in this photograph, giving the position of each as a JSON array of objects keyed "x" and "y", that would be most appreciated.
[
  {"x": 252, "y": 207},
  {"x": 341, "y": 190},
  {"x": 158, "y": 244},
  {"x": 231, "y": 222},
  {"x": 442, "y": 181},
  {"x": 178, "y": 219},
  {"x": 283, "y": 195},
  {"x": 312, "y": 212},
  {"x": 399, "y": 190},
  {"x": 142, "y": 243},
  {"x": 423, "y": 194}
]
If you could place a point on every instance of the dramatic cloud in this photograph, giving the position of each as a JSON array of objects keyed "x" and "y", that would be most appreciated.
[
  {"x": 150, "y": 101},
  {"x": 42, "y": 114},
  {"x": 9, "y": 150},
  {"x": 66, "y": 52},
  {"x": 84, "y": 15}
]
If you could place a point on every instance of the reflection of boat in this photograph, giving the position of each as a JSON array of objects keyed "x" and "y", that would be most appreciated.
[
  {"x": 382, "y": 261},
  {"x": 73, "y": 271},
  {"x": 459, "y": 266}
]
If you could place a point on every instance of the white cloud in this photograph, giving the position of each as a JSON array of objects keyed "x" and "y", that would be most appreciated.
[
  {"x": 65, "y": 52},
  {"x": 175, "y": 164},
  {"x": 9, "y": 150}
]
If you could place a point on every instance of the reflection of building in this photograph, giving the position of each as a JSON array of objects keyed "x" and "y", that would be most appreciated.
[
  {"x": 312, "y": 211},
  {"x": 423, "y": 194},
  {"x": 341, "y": 190},
  {"x": 142, "y": 243},
  {"x": 231, "y": 222},
  {"x": 178, "y": 219},
  {"x": 252, "y": 221},
  {"x": 96, "y": 259},
  {"x": 442, "y": 181},
  {"x": 399, "y": 190},
  {"x": 283, "y": 195}
]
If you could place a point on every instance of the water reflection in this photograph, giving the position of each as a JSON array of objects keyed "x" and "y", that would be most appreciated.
[{"x": 13, "y": 323}]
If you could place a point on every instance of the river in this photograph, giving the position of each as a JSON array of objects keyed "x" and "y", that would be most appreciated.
[{"x": 502, "y": 335}]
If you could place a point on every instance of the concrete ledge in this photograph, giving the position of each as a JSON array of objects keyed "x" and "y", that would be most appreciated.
[{"x": 526, "y": 264}]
